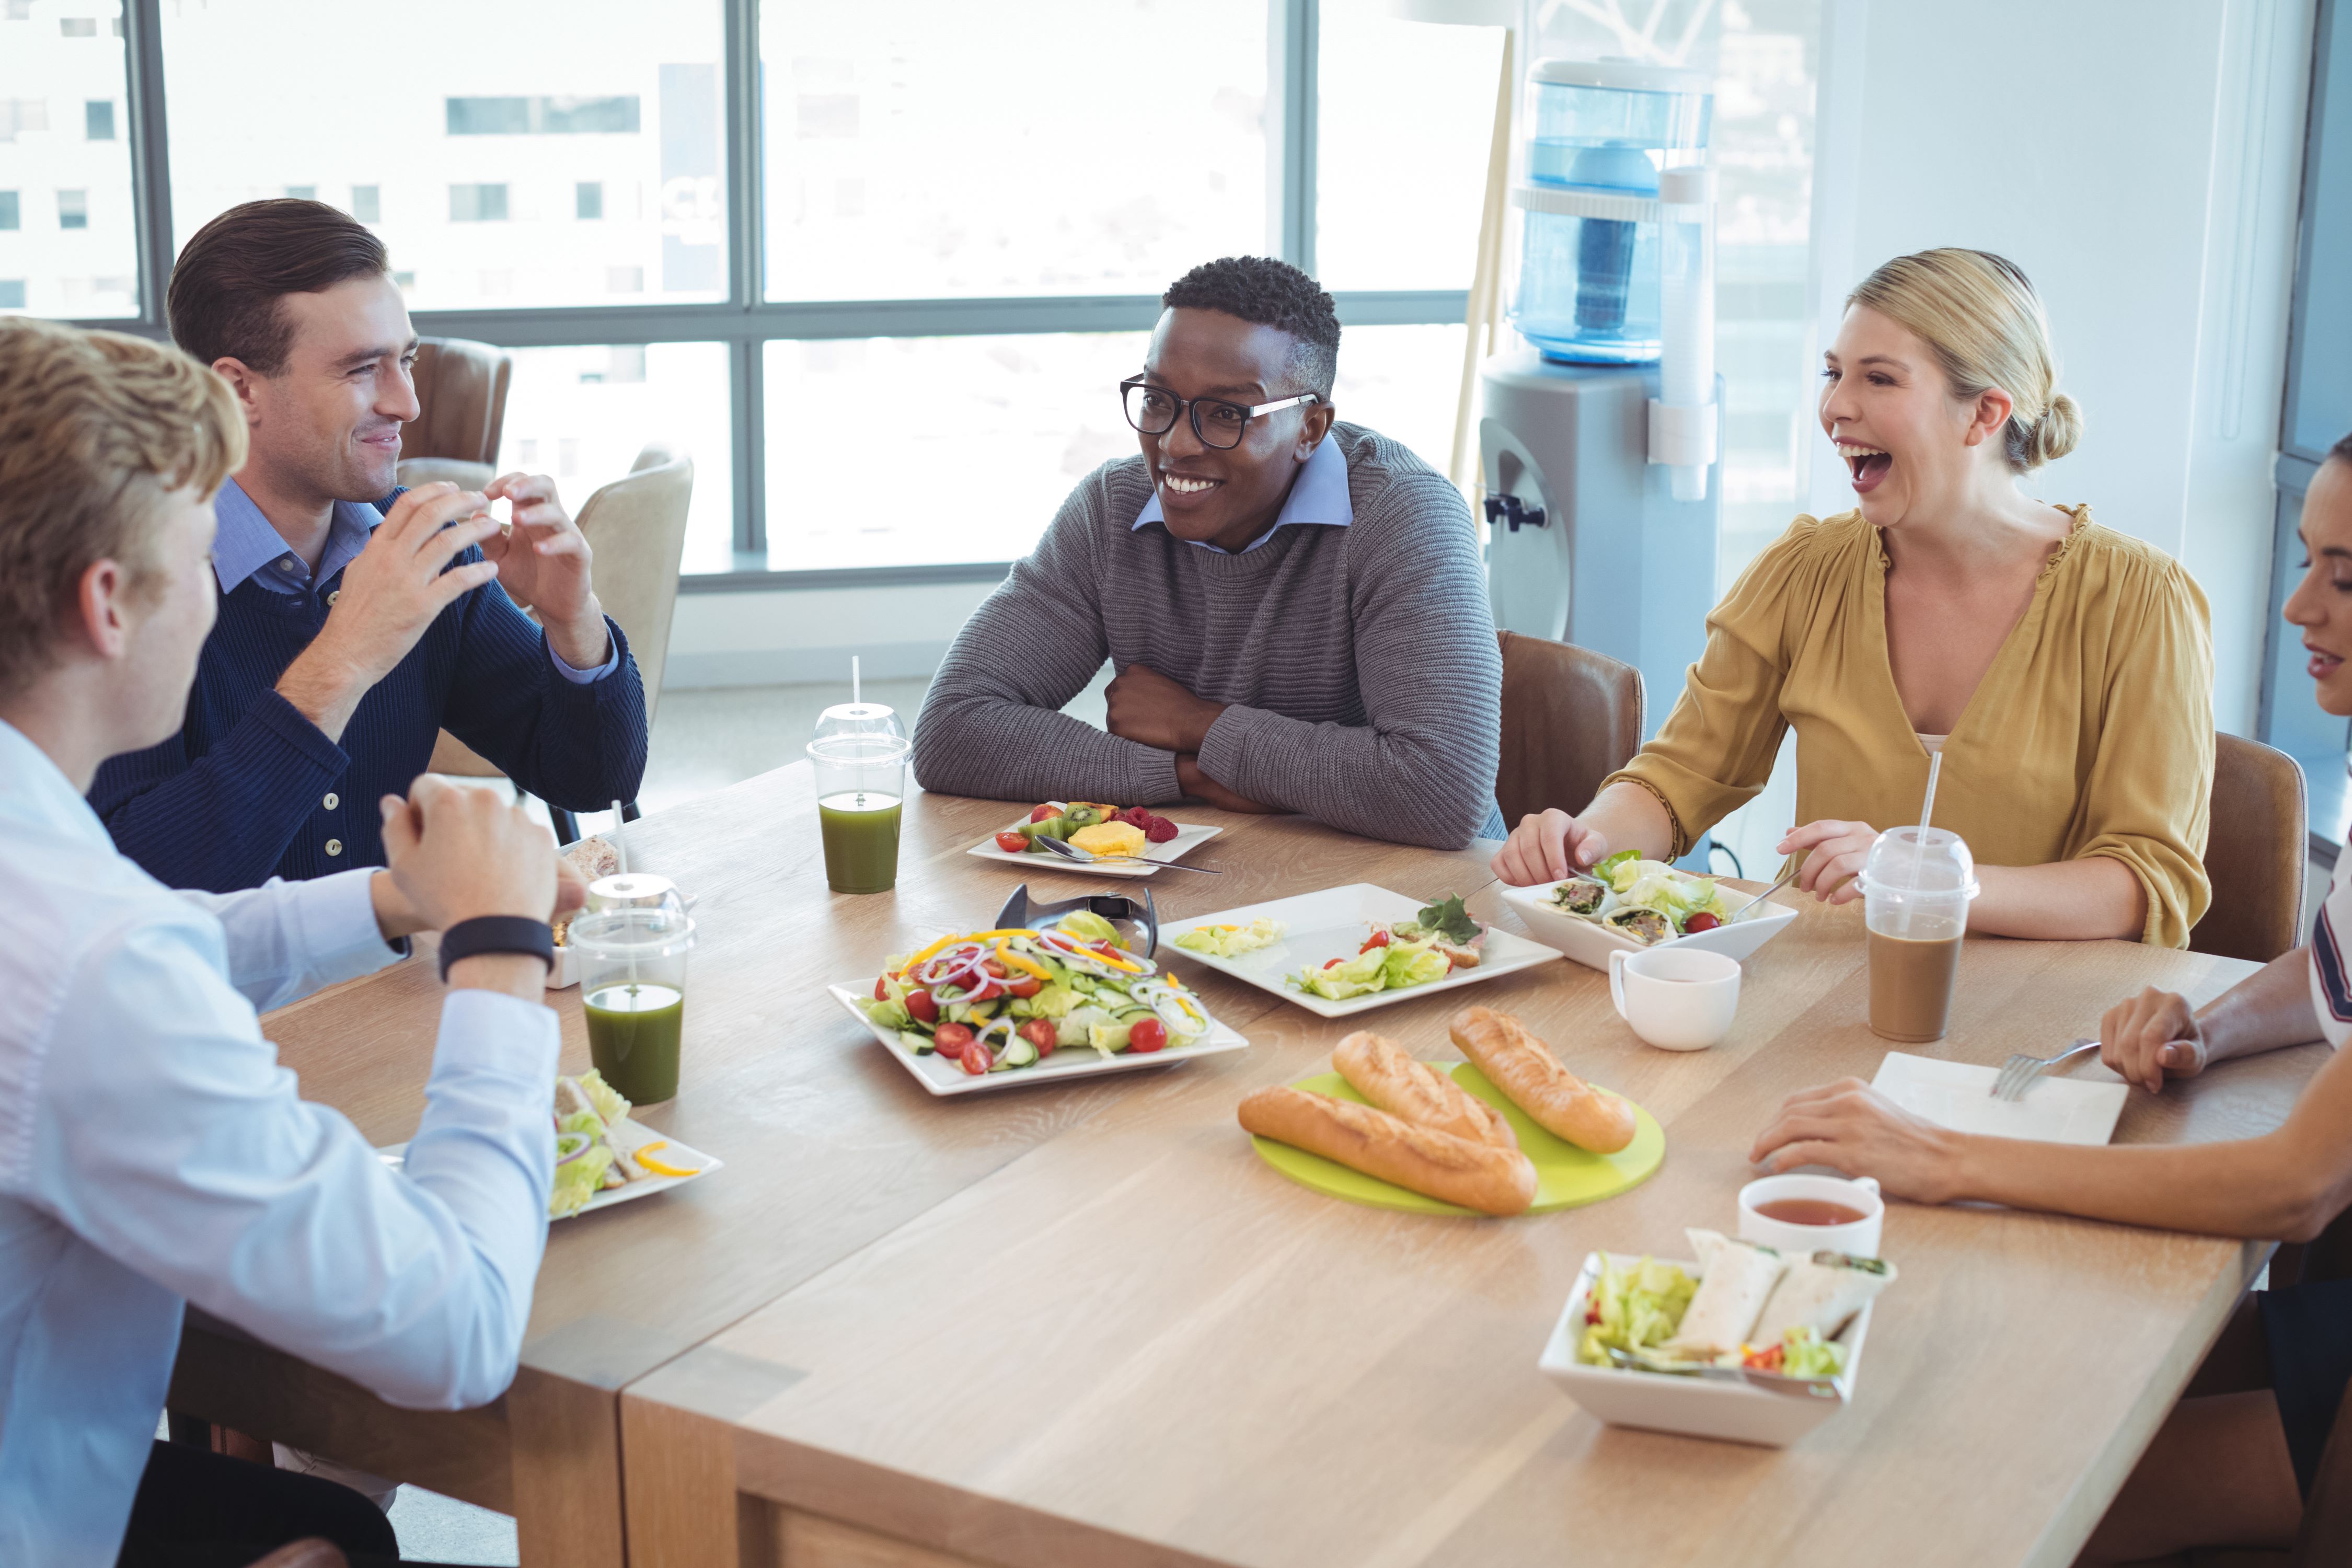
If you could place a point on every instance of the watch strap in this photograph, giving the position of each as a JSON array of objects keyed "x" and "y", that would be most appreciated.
[{"x": 497, "y": 933}]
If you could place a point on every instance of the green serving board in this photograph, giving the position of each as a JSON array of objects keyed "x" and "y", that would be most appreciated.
[{"x": 1566, "y": 1177}]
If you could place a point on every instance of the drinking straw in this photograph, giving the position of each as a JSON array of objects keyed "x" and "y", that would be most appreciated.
[
  {"x": 1927, "y": 807},
  {"x": 621, "y": 852},
  {"x": 855, "y": 701}
]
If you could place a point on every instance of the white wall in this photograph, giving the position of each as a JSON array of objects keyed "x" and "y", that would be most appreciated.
[
  {"x": 2141, "y": 160},
  {"x": 775, "y": 638}
]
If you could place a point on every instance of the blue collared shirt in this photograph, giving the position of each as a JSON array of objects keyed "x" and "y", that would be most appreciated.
[
  {"x": 152, "y": 1153},
  {"x": 1317, "y": 495},
  {"x": 249, "y": 547}
]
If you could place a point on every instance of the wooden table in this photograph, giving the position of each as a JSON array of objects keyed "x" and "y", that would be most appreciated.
[
  {"x": 830, "y": 1147},
  {"x": 1084, "y": 1323}
]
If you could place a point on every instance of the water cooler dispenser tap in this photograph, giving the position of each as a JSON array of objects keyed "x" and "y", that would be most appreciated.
[{"x": 1511, "y": 510}]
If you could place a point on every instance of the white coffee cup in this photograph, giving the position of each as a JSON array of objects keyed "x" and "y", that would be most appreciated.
[
  {"x": 1677, "y": 999},
  {"x": 1860, "y": 1237}
]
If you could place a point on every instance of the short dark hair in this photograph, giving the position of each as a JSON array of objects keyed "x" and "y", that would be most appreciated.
[
  {"x": 223, "y": 302},
  {"x": 1272, "y": 294},
  {"x": 2342, "y": 450}
]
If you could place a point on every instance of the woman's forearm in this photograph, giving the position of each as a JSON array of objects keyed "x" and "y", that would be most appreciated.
[
  {"x": 1629, "y": 817},
  {"x": 2068, "y": 900},
  {"x": 2243, "y": 1189},
  {"x": 2269, "y": 1008}
]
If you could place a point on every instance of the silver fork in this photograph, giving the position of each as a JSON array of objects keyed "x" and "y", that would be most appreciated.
[
  {"x": 1744, "y": 911},
  {"x": 1087, "y": 858},
  {"x": 2017, "y": 1074}
]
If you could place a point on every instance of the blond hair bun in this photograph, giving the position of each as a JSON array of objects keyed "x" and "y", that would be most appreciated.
[{"x": 1980, "y": 316}]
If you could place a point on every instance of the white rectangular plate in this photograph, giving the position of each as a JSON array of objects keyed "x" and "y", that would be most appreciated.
[
  {"x": 629, "y": 1136},
  {"x": 940, "y": 1076},
  {"x": 1331, "y": 924},
  {"x": 1188, "y": 838},
  {"x": 1590, "y": 942},
  {"x": 1958, "y": 1095},
  {"x": 1695, "y": 1407}
]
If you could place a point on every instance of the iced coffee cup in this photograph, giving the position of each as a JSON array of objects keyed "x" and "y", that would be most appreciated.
[{"x": 1916, "y": 889}]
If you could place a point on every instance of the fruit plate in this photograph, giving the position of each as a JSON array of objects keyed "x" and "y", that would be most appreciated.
[
  {"x": 1188, "y": 838},
  {"x": 629, "y": 1137},
  {"x": 1566, "y": 1177},
  {"x": 1332, "y": 924},
  {"x": 942, "y": 1077}
]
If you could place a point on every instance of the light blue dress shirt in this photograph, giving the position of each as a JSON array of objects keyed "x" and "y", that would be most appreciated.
[
  {"x": 249, "y": 546},
  {"x": 153, "y": 1152},
  {"x": 1317, "y": 495}
]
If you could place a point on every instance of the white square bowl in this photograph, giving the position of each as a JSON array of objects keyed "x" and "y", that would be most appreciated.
[
  {"x": 1332, "y": 924},
  {"x": 1693, "y": 1408},
  {"x": 1590, "y": 942}
]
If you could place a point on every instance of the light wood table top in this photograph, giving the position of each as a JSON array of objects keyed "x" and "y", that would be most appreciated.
[
  {"x": 1086, "y": 1323},
  {"x": 829, "y": 1146}
]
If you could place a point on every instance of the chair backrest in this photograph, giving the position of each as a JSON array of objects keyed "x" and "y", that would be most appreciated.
[
  {"x": 1571, "y": 717},
  {"x": 314, "y": 1552},
  {"x": 2255, "y": 850},
  {"x": 636, "y": 527},
  {"x": 461, "y": 397}
]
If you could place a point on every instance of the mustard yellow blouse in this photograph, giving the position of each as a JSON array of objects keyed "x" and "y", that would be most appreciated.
[{"x": 2091, "y": 733}]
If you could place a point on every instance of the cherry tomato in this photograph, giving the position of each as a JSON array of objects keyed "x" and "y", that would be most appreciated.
[
  {"x": 976, "y": 1059},
  {"x": 1027, "y": 985},
  {"x": 1046, "y": 814},
  {"x": 882, "y": 988},
  {"x": 1147, "y": 1035},
  {"x": 1332, "y": 962},
  {"x": 1107, "y": 950},
  {"x": 1041, "y": 1033},
  {"x": 1378, "y": 939},
  {"x": 1700, "y": 923},
  {"x": 951, "y": 1038},
  {"x": 989, "y": 990},
  {"x": 1013, "y": 842},
  {"x": 922, "y": 1007},
  {"x": 996, "y": 970}
]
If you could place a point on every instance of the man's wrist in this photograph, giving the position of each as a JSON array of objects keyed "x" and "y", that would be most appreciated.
[
  {"x": 396, "y": 917},
  {"x": 512, "y": 973},
  {"x": 318, "y": 681},
  {"x": 583, "y": 642}
]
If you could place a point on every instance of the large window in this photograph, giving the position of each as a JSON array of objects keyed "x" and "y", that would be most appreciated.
[{"x": 877, "y": 267}]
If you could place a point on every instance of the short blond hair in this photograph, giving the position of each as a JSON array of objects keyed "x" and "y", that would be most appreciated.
[
  {"x": 95, "y": 430},
  {"x": 1986, "y": 325}
]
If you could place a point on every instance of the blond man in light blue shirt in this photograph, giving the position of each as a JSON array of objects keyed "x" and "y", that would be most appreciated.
[{"x": 152, "y": 1153}]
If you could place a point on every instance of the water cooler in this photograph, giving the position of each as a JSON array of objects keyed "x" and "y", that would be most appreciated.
[{"x": 1600, "y": 442}]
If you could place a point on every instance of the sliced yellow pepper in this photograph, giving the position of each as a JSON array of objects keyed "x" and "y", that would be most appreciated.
[
  {"x": 948, "y": 942},
  {"x": 645, "y": 1157},
  {"x": 1011, "y": 960}
]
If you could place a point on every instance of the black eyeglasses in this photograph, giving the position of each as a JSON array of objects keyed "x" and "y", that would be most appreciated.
[{"x": 1152, "y": 410}]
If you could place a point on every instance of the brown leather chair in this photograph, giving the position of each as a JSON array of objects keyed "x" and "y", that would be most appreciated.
[
  {"x": 1571, "y": 717},
  {"x": 461, "y": 396},
  {"x": 2255, "y": 853}
]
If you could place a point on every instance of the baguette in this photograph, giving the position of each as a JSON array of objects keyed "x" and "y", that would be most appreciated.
[
  {"x": 1385, "y": 1073},
  {"x": 1421, "y": 1159},
  {"x": 1527, "y": 1072}
]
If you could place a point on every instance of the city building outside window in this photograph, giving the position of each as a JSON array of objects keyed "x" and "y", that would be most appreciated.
[
  {"x": 98, "y": 120},
  {"x": 478, "y": 204},
  {"x": 588, "y": 199},
  {"x": 73, "y": 209},
  {"x": 367, "y": 202},
  {"x": 9, "y": 211}
]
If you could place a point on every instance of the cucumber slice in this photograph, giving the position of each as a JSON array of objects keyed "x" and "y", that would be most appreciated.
[
  {"x": 1110, "y": 1037},
  {"x": 1020, "y": 1053},
  {"x": 921, "y": 1044}
]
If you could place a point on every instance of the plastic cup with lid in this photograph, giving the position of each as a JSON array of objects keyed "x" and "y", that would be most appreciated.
[
  {"x": 859, "y": 753},
  {"x": 1916, "y": 889}
]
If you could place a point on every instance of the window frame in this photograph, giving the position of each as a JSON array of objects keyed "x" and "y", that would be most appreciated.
[{"x": 745, "y": 321}]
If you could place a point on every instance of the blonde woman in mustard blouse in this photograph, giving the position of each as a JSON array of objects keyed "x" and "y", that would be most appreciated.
[{"x": 2065, "y": 670}]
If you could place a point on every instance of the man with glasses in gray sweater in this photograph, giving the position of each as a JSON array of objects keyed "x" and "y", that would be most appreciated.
[{"x": 1296, "y": 608}]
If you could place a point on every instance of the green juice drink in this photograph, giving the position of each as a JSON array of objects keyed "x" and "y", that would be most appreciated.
[
  {"x": 632, "y": 1035},
  {"x": 861, "y": 841}
]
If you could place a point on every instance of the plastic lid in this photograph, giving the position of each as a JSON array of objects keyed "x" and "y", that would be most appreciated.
[
  {"x": 636, "y": 890},
  {"x": 620, "y": 933},
  {"x": 858, "y": 719},
  {"x": 1625, "y": 75},
  {"x": 1913, "y": 861}
]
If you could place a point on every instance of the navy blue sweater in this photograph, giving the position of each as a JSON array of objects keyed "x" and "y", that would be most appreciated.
[{"x": 249, "y": 788}]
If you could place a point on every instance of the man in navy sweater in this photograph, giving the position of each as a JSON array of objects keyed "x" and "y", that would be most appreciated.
[{"x": 356, "y": 619}]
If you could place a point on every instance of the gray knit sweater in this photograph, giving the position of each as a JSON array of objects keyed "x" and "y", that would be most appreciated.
[{"x": 1359, "y": 662}]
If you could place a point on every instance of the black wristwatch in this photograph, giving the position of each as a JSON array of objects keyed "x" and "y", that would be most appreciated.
[{"x": 497, "y": 933}]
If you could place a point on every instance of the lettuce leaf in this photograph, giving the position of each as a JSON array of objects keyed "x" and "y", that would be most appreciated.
[
  {"x": 1357, "y": 976},
  {"x": 1409, "y": 965}
]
